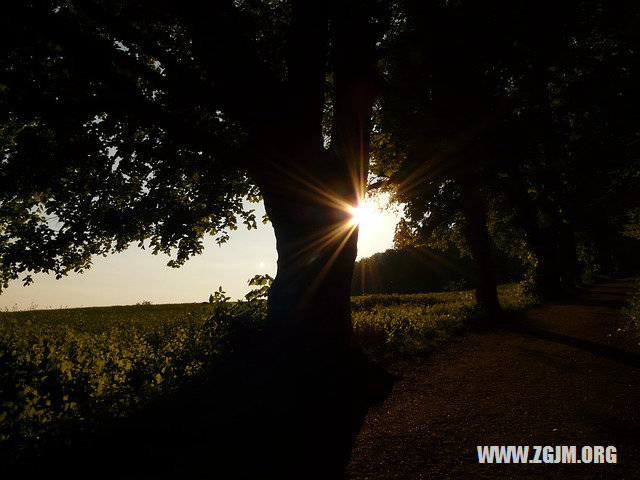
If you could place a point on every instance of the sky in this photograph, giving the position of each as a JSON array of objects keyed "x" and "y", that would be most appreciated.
[{"x": 136, "y": 275}]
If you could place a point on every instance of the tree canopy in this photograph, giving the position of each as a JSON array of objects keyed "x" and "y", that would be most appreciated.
[
  {"x": 132, "y": 121},
  {"x": 528, "y": 109},
  {"x": 115, "y": 129},
  {"x": 151, "y": 122}
]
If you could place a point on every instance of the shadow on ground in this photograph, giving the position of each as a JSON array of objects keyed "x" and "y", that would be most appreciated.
[
  {"x": 588, "y": 334},
  {"x": 613, "y": 353}
]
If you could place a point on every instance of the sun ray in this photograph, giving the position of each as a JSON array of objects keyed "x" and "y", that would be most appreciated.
[{"x": 325, "y": 268}]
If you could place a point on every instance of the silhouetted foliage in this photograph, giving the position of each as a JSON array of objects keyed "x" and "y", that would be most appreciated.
[{"x": 493, "y": 129}]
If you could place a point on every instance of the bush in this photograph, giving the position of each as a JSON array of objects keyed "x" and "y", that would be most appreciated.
[
  {"x": 632, "y": 310},
  {"x": 77, "y": 366},
  {"x": 67, "y": 366},
  {"x": 391, "y": 324}
]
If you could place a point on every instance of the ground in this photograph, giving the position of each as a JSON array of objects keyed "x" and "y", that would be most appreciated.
[{"x": 565, "y": 373}]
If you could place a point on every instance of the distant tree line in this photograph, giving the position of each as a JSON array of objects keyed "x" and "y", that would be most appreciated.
[{"x": 416, "y": 269}]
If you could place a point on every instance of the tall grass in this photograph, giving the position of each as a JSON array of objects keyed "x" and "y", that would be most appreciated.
[
  {"x": 59, "y": 367},
  {"x": 392, "y": 324},
  {"x": 78, "y": 366}
]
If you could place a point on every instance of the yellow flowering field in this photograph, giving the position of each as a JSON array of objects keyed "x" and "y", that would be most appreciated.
[
  {"x": 60, "y": 369},
  {"x": 63, "y": 366}
]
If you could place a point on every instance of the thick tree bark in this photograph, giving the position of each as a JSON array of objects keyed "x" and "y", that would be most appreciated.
[
  {"x": 309, "y": 302},
  {"x": 479, "y": 242},
  {"x": 323, "y": 384},
  {"x": 308, "y": 190},
  {"x": 326, "y": 385},
  {"x": 308, "y": 187}
]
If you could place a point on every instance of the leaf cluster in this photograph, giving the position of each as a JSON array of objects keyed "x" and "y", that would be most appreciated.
[{"x": 114, "y": 129}]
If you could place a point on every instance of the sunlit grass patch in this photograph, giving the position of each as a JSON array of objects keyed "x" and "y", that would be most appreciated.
[
  {"x": 62, "y": 367},
  {"x": 410, "y": 327},
  {"x": 391, "y": 324},
  {"x": 513, "y": 297}
]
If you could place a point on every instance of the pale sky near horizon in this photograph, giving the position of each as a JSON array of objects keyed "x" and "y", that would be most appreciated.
[{"x": 136, "y": 275}]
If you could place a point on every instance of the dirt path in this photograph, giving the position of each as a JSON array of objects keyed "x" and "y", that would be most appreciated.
[{"x": 564, "y": 374}]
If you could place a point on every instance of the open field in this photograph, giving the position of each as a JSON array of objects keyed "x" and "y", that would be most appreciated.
[{"x": 73, "y": 368}]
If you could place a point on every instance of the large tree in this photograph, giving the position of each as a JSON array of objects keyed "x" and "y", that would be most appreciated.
[{"x": 150, "y": 122}]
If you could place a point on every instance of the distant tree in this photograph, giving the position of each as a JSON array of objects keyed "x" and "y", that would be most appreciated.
[
  {"x": 131, "y": 122},
  {"x": 445, "y": 98}
]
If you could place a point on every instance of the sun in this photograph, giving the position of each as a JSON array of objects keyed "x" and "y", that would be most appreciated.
[
  {"x": 363, "y": 215},
  {"x": 370, "y": 219}
]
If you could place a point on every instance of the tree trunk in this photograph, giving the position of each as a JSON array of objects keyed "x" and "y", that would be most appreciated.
[
  {"x": 571, "y": 275},
  {"x": 309, "y": 188},
  {"x": 557, "y": 259},
  {"x": 309, "y": 310},
  {"x": 319, "y": 382},
  {"x": 323, "y": 382},
  {"x": 479, "y": 242},
  {"x": 604, "y": 252},
  {"x": 541, "y": 236}
]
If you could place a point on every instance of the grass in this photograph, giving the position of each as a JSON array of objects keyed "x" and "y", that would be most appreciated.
[
  {"x": 76, "y": 367},
  {"x": 408, "y": 324}
]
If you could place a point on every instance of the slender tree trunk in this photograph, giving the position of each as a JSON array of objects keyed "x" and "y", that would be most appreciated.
[
  {"x": 571, "y": 273},
  {"x": 541, "y": 236},
  {"x": 547, "y": 276},
  {"x": 604, "y": 252},
  {"x": 560, "y": 270},
  {"x": 480, "y": 245}
]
